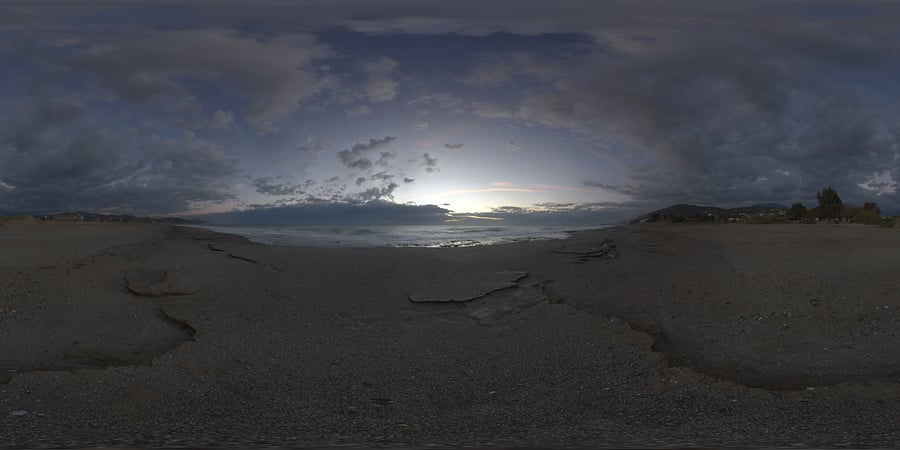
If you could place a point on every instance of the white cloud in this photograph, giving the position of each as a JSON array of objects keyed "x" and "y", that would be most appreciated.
[
  {"x": 880, "y": 183},
  {"x": 490, "y": 110},
  {"x": 445, "y": 101},
  {"x": 222, "y": 120}
]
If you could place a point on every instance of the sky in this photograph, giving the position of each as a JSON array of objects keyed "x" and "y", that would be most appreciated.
[{"x": 421, "y": 110}]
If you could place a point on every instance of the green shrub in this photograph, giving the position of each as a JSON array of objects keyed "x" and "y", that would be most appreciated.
[{"x": 766, "y": 219}]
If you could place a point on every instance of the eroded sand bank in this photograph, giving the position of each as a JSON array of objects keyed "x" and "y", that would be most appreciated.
[{"x": 643, "y": 335}]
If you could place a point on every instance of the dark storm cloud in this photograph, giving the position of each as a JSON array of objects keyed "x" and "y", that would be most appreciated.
[
  {"x": 704, "y": 101},
  {"x": 384, "y": 189},
  {"x": 316, "y": 146},
  {"x": 464, "y": 17},
  {"x": 54, "y": 161},
  {"x": 618, "y": 189},
  {"x": 429, "y": 163},
  {"x": 361, "y": 163},
  {"x": 33, "y": 124},
  {"x": 454, "y": 146},
  {"x": 385, "y": 192},
  {"x": 380, "y": 86},
  {"x": 385, "y": 159},
  {"x": 335, "y": 213},
  {"x": 355, "y": 156},
  {"x": 90, "y": 173},
  {"x": 273, "y": 76},
  {"x": 361, "y": 110},
  {"x": 222, "y": 120},
  {"x": 763, "y": 112},
  {"x": 382, "y": 176},
  {"x": 272, "y": 186}
]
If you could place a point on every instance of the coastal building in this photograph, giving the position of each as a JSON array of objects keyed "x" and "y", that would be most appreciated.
[{"x": 68, "y": 217}]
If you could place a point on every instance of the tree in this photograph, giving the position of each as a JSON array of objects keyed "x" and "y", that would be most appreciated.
[
  {"x": 871, "y": 207},
  {"x": 797, "y": 211},
  {"x": 830, "y": 203},
  {"x": 869, "y": 214}
]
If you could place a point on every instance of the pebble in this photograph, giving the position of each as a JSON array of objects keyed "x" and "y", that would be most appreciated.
[{"x": 18, "y": 412}]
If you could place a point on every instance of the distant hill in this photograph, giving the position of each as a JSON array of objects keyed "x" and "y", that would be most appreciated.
[
  {"x": 765, "y": 208},
  {"x": 684, "y": 211},
  {"x": 18, "y": 219},
  {"x": 94, "y": 217}
]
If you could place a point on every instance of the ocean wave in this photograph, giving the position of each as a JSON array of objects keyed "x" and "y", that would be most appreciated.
[{"x": 431, "y": 236}]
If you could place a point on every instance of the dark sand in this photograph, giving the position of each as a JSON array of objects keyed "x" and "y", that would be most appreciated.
[{"x": 728, "y": 335}]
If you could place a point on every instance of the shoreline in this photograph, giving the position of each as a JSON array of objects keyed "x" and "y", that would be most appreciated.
[
  {"x": 377, "y": 236},
  {"x": 637, "y": 335}
]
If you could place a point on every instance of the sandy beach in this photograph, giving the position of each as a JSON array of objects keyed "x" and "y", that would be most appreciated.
[{"x": 643, "y": 335}]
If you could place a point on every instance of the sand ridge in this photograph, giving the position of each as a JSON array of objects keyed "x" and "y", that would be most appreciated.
[{"x": 641, "y": 335}]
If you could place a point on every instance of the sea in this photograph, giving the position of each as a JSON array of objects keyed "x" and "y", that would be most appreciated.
[{"x": 396, "y": 235}]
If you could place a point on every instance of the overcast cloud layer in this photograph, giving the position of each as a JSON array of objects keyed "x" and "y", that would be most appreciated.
[{"x": 595, "y": 110}]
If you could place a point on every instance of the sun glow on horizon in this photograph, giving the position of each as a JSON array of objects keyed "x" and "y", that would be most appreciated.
[{"x": 480, "y": 199}]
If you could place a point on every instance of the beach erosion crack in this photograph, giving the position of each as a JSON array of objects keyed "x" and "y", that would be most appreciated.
[
  {"x": 685, "y": 355},
  {"x": 513, "y": 291},
  {"x": 729, "y": 308},
  {"x": 111, "y": 347},
  {"x": 64, "y": 321},
  {"x": 760, "y": 350}
]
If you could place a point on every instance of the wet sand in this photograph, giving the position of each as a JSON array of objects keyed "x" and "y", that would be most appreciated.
[{"x": 647, "y": 335}]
